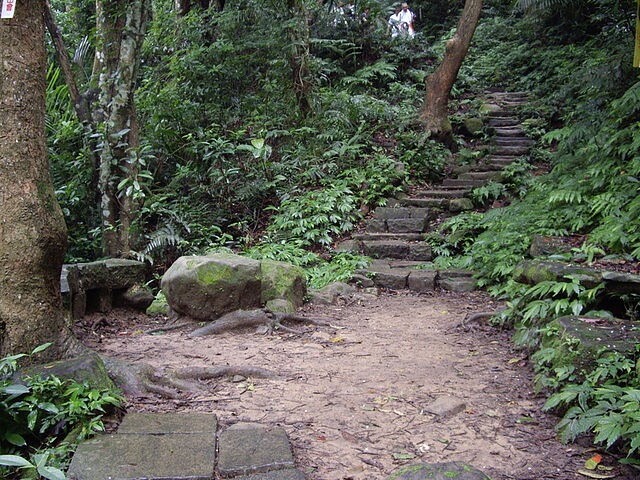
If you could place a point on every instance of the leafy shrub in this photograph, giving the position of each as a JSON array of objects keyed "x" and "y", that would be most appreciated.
[
  {"x": 38, "y": 413},
  {"x": 317, "y": 216},
  {"x": 339, "y": 268},
  {"x": 379, "y": 178},
  {"x": 423, "y": 157},
  {"x": 606, "y": 403}
]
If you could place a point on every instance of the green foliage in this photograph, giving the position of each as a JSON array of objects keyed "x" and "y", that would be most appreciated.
[
  {"x": 379, "y": 178},
  {"x": 36, "y": 415},
  {"x": 339, "y": 268},
  {"x": 317, "y": 216},
  {"x": 423, "y": 157},
  {"x": 534, "y": 307},
  {"x": 487, "y": 193},
  {"x": 606, "y": 403}
]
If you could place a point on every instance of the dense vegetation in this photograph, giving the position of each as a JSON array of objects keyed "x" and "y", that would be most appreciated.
[
  {"x": 43, "y": 418},
  {"x": 229, "y": 158}
]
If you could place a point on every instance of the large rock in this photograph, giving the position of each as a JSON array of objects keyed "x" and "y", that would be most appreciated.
[
  {"x": 439, "y": 471},
  {"x": 532, "y": 272},
  {"x": 283, "y": 281},
  {"x": 207, "y": 287}
]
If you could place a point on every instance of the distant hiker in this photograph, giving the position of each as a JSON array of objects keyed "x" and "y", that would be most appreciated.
[
  {"x": 365, "y": 19},
  {"x": 406, "y": 21},
  {"x": 393, "y": 25}
]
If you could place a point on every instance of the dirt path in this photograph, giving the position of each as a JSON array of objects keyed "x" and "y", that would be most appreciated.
[{"x": 353, "y": 396}]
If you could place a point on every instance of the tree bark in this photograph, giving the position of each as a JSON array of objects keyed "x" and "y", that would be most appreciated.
[
  {"x": 433, "y": 113},
  {"x": 32, "y": 231},
  {"x": 120, "y": 29}
]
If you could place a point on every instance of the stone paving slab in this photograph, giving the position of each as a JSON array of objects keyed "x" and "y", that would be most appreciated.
[
  {"x": 245, "y": 451},
  {"x": 165, "y": 423},
  {"x": 145, "y": 457}
]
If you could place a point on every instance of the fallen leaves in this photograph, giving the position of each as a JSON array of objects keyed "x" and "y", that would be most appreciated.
[{"x": 593, "y": 466}]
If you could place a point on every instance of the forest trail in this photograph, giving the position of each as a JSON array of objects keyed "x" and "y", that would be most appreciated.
[
  {"x": 356, "y": 398},
  {"x": 395, "y": 379},
  {"x": 394, "y": 235}
]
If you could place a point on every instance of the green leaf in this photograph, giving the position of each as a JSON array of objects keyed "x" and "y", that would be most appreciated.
[
  {"x": 14, "y": 461},
  {"x": 40, "y": 348},
  {"x": 15, "y": 439},
  {"x": 51, "y": 473},
  {"x": 15, "y": 389}
]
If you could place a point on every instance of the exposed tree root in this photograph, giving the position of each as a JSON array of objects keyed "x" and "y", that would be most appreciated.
[
  {"x": 168, "y": 328},
  {"x": 476, "y": 318},
  {"x": 271, "y": 321},
  {"x": 141, "y": 379}
]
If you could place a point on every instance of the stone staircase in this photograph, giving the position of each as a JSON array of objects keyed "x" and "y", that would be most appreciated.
[{"x": 395, "y": 234}]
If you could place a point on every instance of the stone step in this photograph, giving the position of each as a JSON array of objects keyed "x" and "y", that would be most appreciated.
[
  {"x": 386, "y": 236},
  {"x": 513, "y": 95},
  {"x": 397, "y": 225},
  {"x": 388, "y": 213},
  {"x": 461, "y": 182},
  {"x": 443, "y": 193},
  {"x": 513, "y": 141},
  {"x": 509, "y": 131},
  {"x": 500, "y": 159},
  {"x": 441, "y": 203},
  {"x": 511, "y": 151},
  {"x": 384, "y": 275},
  {"x": 490, "y": 175},
  {"x": 504, "y": 122},
  {"x": 500, "y": 113},
  {"x": 511, "y": 103},
  {"x": 415, "y": 251}
]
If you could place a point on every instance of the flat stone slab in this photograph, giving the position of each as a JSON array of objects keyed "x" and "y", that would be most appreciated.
[
  {"x": 458, "y": 285},
  {"x": 393, "y": 279},
  {"x": 145, "y": 457},
  {"x": 248, "y": 451},
  {"x": 167, "y": 423},
  {"x": 422, "y": 280},
  {"x": 444, "y": 406},
  {"x": 439, "y": 471}
]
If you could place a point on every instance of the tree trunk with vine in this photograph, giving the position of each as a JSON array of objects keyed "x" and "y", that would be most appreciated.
[
  {"x": 434, "y": 113},
  {"x": 299, "y": 34},
  {"x": 120, "y": 31}
]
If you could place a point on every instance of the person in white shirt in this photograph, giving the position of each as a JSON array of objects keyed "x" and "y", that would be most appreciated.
[
  {"x": 406, "y": 18},
  {"x": 393, "y": 25}
]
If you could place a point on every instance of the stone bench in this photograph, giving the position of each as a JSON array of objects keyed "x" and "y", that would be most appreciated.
[{"x": 99, "y": 286}]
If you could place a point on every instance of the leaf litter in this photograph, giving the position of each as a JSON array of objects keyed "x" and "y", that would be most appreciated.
[{"x": 356, "y": 408}]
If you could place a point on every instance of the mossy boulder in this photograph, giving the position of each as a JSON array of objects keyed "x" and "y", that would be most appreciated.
[
  {"x": 87, "y": 368},
  {"x": 283, "y": 281},
  {"x": 532, "y": 272},
  {"x": 581, "y": 340},
  {"x": 207, "y": 287},
  {"x": 473, "y": 125},
  {"x": 439, "y": 471}
]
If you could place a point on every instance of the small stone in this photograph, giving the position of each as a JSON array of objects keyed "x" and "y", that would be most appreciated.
[{"x": 443, "y": 406}]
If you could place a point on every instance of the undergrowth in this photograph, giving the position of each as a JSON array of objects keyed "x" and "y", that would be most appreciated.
[{"x": 43, "y": 418}]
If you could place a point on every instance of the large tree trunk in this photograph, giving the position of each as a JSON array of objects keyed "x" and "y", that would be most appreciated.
[
  {"x": 32, "y": 231},
  {"x": 120, "y": 32},
  {"x": 433, "y": 113}
]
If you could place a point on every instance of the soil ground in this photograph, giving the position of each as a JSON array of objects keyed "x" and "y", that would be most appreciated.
[{"x": 353, "y": 397}]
